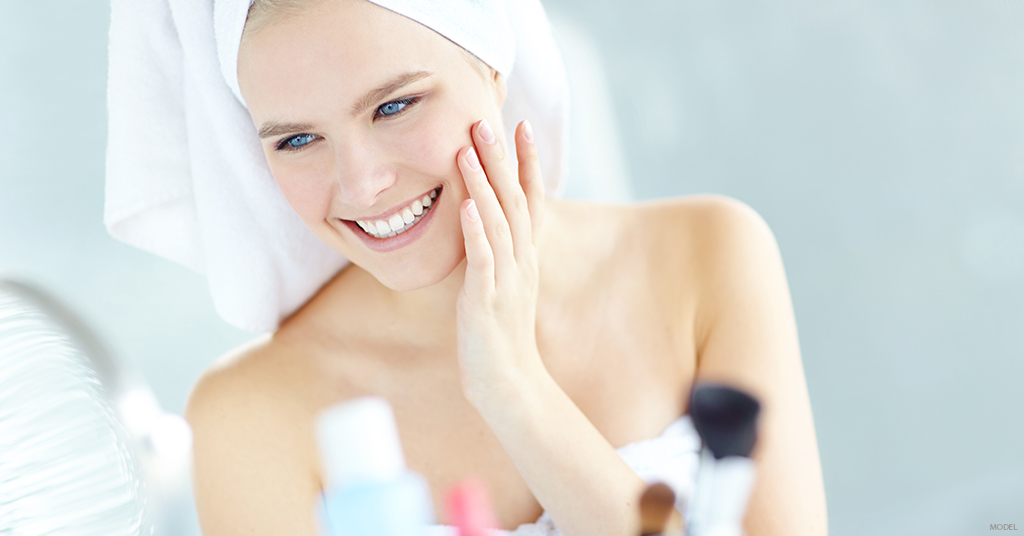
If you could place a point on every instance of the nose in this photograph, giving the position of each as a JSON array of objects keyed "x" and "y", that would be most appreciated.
[{"x": 362, "y": 173}]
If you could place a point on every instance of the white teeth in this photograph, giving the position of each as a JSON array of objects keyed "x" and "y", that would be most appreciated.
[
  {"x": 396, "y": 222},
  {"x": 401, "y": 221}
]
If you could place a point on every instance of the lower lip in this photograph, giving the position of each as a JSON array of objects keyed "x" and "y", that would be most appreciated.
[{"x": 399, "y": 240}]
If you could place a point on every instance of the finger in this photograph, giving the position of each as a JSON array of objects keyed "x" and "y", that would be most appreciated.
[
  {"x": 505, "y": 183},
  {"x": 479, "y": 279},
  {"x": 492, "y": 218},
  {"x": 530, "y": 177}
]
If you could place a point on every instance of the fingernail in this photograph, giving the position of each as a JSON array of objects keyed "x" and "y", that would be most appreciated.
[
  {"x": 471, "y": 211},
  {"x": 472, "y": 159},
  {"x": 527, "y": 131},
  {"x": 485, "y": 132}
]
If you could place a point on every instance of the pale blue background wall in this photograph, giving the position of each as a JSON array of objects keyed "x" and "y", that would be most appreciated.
[{"x": 882, "y": 140}]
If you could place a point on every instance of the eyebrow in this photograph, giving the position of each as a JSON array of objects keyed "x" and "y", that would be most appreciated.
[
  {"x": 273, "y": 128},
  {"x": 386, "y": 89}
]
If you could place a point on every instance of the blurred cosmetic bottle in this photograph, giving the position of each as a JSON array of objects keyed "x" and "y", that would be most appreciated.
[{"x": 368, "y": 490}]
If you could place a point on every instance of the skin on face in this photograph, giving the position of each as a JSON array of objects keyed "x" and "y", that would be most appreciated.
[{"x": 310, "y": 69}]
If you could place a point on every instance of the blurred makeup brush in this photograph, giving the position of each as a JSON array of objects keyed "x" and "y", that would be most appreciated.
[
  {"x": 726, "y": 419},
  {"x": 657, "y": 512}
]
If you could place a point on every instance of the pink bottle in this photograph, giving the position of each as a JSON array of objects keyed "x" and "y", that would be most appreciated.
[{"x": 469, "y": 508}]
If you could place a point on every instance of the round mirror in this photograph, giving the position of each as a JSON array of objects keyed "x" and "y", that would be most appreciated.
[{"x": 84, "y": 446}]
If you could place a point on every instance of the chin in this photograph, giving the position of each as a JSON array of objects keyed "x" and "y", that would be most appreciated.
[{"x": 419, "y": 275}]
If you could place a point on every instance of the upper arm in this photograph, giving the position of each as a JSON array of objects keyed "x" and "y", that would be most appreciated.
[
  {"x": 250, "y": 469},
  {"x": 746, "y": 336}
]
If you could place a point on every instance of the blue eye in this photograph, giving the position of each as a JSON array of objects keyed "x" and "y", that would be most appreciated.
[
  {"x": 392, "y": 108},
  {"x": 295, "y": 143},
  {"x": 395, "y": 107},
  {"x": 300, "y": 140}
]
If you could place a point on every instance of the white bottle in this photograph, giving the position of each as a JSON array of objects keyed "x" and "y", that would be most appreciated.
[{"x": 368, "y": 491}]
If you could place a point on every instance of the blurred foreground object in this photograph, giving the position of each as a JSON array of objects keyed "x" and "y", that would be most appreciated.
[
  {"x": 85, "y": 448},
  {"x": 657, "y": 512},
  {"x": 726, "y": 419},
  {"x": 468, "y": 505},
  {"x": 368, "y": 488}
]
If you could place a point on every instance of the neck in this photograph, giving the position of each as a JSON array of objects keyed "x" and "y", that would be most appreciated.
[{"x": 421, "y": 318}]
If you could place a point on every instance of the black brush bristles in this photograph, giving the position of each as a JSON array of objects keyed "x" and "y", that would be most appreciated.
[{"x": 725, "y": 418}]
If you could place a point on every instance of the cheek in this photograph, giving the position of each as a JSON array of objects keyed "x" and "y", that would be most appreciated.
[
  {"x": 306, "y": 191},
  {"x": 432, "y": 145}
]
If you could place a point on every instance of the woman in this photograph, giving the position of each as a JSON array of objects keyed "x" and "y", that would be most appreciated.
[{"x": 519, "y": 339}]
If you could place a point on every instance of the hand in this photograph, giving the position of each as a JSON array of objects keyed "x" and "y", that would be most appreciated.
[{"x": 497, "y": 306}]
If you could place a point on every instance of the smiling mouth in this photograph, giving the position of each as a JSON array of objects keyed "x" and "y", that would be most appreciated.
[{"x": 404, "y": 219}]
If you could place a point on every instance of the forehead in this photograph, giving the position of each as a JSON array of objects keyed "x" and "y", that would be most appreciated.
[{"x": 335, "y": 50}]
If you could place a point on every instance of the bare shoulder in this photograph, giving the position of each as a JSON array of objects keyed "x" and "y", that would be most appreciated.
[
  {"x": 735, "y": 260},
  {"x": 678, "y": 228},
  {"x": 253, "y": 470},
  {"x": 690, "y": 245},
  {"x": 682, "y": 251},
  {"x": 703, "y": 220},
  {"x": 715, "y": 240},
  {"x": 723, "y": 249},
  {"x": 237, "y": 380},
  {"x": 667, "y": 227}
]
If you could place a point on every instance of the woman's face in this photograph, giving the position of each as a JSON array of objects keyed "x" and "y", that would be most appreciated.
[{"x": 361, "y": 112}]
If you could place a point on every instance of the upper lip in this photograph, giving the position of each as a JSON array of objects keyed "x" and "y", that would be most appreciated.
[{"x": 394, "y": 210}]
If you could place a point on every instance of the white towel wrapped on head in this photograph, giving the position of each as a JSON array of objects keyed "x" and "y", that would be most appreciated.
[{"x": 186, "y": 175}]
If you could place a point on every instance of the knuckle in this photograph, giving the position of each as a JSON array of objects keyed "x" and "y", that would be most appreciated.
[
  {"x": 501, "y": 229},
  {"x": 519, "y": 201}
]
